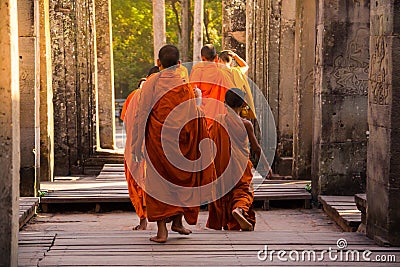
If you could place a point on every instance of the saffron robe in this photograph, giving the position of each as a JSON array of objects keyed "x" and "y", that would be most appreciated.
[
  {"x": 134, "y": 171},
  {"x": 240, "y": 81},
  {"x": 170, "y": 188},
  {"x": 213, "y": 82},
  {"x": 231, "y": 147}
]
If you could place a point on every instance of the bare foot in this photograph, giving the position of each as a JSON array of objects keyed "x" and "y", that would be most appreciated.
[
  {"x": 177, "y": 226},
  {"x": 158, "y": 239},
  {"x": 245, "y": 225},
  {"x": 142, "y": 225},
  {"x": 162, "y": 233},
  {"x": 181, "y": 230}
]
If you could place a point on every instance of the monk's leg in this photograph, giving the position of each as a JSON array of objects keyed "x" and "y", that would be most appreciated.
[
  {"x": 162, "y": 232},
  {"x": 177, "y": 225},
  {"x": 245, "y": 225}
]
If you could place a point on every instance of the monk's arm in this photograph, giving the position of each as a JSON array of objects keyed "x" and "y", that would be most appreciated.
[
  {"x": 143, "y": 111},
  {"x": 244, "y": 67},
  {"x": 255, "y": 146}
]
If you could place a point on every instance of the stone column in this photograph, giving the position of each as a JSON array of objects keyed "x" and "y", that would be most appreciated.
[
  {"x": 105, "y": 76},
  {"x": 234, "y": 26},
  {"x": 286, "y": 85},
  {"x": 159, "y": 26},
  {"x": 28, "y": 18},
  {"x": 303, "y": 94},
  {"x": 9, "y": 133},
  {"x": 198, "y": 29},
  {"x": 46, "y": 97},
  {"x": 383, "y": 168},
  {"x": 340, "y": 98},
  {"x": 271, "y": 27}
]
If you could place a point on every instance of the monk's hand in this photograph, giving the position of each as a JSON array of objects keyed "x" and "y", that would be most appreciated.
[{"x": 137, "y": 153}]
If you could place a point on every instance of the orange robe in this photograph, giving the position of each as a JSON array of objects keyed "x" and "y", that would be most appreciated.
[
  {"x": 213, "y": 82},
  {"x": 240, "y": 192},
  {"x": 134, "y": 172},
  {"x": 161, "y": 95}
]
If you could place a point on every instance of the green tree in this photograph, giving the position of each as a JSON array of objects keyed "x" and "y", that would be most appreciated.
[
  {"x": 133, "y": 37},
  {"x": 132, "y": 43}
]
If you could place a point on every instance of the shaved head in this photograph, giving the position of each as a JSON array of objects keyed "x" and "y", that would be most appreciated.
[
  {"x": 168, "y": 55},
  {"x": 208, "y": 52}
]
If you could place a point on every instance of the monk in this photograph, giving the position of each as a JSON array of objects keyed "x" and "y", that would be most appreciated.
[
  {"x": 234, "y": 210},
  {"x": 136, "y": 192},
  {"x": 171, "y": 192},
  {"x": 238, "y": 74},
  {"x": 212, "y": 81}
]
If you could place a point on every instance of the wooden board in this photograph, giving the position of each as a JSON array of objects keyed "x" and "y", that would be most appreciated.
[
  {"x": 203, "y": 248},
  {"x": 112, "y": 187},
  {"x": 27, "y": 209},
  {"x": 343, "y": 210}
]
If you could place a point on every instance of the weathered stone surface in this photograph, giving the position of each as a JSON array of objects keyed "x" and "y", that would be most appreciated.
[
  {"x": 383, "y": 168},
  {"x": 340, "y": 97},
  {"x": 74, "y": 83},
  {"x": 234, "y": 26},
  {"x": 9, "y": 133},
  {"x": 105, "y": 69},
  {"x": 303, "y": 94},
  {"x": 46, "y": 97},
  {"x": 271, "y": 28},
  {"x": 30, "y": 96}
]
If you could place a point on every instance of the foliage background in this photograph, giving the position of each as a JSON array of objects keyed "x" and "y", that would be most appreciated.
[{"x": 133, "y": 37}]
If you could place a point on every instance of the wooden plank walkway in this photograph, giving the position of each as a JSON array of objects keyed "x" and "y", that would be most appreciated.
[
  {"x": 343, "y": 210},
  {"x": 110, "y": 186},
  {"x": 27, "y": 209},
  {"x": 203, "y": 248}
]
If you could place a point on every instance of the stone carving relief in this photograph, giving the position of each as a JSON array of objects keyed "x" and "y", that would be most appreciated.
[
  {"x": 350, "y": 70},
  {"x": 379, "y": 72}
]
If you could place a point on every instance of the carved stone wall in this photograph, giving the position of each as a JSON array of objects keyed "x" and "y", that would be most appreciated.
[
  {"x": 383, "y": 168},
  {"x": 340, "y": 97}
]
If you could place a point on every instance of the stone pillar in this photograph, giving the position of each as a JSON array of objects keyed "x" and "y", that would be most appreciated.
[
  {"x": 257, "y": 23},
  {"x": 28, "y": 18},
  {"x": 234, "y": 26},
  {"x": 270, "y": 30},
  {"x": 340, "y": 98},
  {"x": 74, "y": 69},
  {"x": 105, "y": 77},
  {"x": 159, "y": 27},
  {"x": 198, "y": 29},
  {"x": 286, "y": 85},
  {"x": 383, "y": 168},
  {"x": 303, "y": 94},
  {"x": 46, "y": 97},
  {"x": 9, "y": 133}
]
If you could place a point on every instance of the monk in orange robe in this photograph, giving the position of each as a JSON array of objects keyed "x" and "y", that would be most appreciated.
[
  {"x": 232, "y": 135},
  {"x": 167, "y": 103},
  {"x": 213, "y": 82},
  {"x": 136, "y": 192}
]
